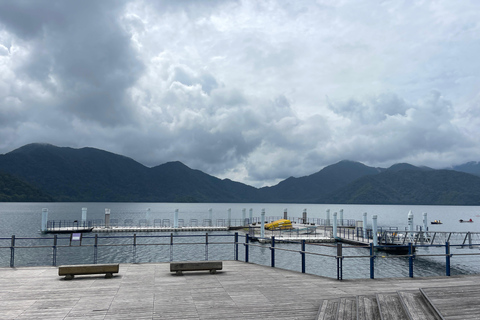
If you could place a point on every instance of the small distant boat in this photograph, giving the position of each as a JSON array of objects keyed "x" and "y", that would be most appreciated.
[
  {"x": 462, "y": 221},
  {"x": 436, "y": 222}
]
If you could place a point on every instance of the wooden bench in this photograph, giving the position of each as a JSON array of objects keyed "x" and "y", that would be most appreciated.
[
  {"x": 179, "y": 267},
  {"x": 70, "y": 271}
]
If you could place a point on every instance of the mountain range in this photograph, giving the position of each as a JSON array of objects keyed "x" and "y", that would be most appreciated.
[{"x": 43, "y": 172}]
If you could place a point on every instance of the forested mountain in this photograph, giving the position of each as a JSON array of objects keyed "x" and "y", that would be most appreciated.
[
  {"x": 15, "y": 190},
  {"x": 43, "y": 172}
]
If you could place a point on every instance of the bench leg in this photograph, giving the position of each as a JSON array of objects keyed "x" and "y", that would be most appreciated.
[
  {"x": 108, "y": 275},
  {"x": 179, "y": 273},
  {"x": 69, "y": 277},
  {"x": 213, "y": 271}
]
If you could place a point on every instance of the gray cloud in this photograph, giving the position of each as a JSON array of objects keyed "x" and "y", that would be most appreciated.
[{"x": 239, "y": 89}]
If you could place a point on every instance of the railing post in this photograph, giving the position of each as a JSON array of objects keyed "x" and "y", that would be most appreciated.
[
  {"x": 171, "y": 246},
  {"x": 303, "y": 256},
  {"x": 54, "y": 262},
  {"x": 246, "y": 248},
  {"x": 372, "y": 262},
  {"x": 447, "y": 258},
  {"x": 134, "y": 248},
  {"x": 272, "y": 248},
  {"x": 12, "y": 253},
  {"x": 339, "y": 261},
  {"x": 206, "y": 246},
  {"x": 95, "y": 250},
  {"x": 236, "y": 243},
  {"x": 410, "y": 260}
]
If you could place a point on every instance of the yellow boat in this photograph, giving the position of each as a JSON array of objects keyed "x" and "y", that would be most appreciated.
[{"x": 281, "y": 224}]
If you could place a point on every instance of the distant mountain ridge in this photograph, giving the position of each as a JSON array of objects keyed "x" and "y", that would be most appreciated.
[{"x": 51, "y": 173}]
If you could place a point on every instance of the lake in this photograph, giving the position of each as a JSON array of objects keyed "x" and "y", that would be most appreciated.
[{"x": 24, "y": 220}]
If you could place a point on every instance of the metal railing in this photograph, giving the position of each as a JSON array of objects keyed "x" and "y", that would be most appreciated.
[{"x": 241, "y": 245}]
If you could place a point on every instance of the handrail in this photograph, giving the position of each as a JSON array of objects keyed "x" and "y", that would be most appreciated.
[{"x": 206, "y": 240}]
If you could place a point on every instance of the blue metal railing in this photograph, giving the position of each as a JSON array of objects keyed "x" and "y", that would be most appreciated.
[{"x": 96, "y": 243}]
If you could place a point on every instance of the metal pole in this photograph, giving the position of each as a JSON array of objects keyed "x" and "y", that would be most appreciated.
[
  {"x": 410, "y": 260},
  {"x": 250, "y": 216},
  {"x": 341, "y": 217},
  {"x": 206, "y": 246},
  {"x": 425, "y": 222},
  {"x": 364, "y": 225},
  {"x": 262, "y": 224},
  {"x": 335, "y": 225},
  {"x": 95, "y": 250},
  {"x": 285, "y": 214},
  {"x": 246, "y": 248},
  {"x": 303, "y": 256},
  {"x": 236, "y": 245},
  {"x": 244, "y": 217},
  {"x": 12, "y": 253},
  {"x": 328, "y": 217},
  {"x": 54, "y": 262},
  {"x": 171, "y": 246},
  {"x": 447, "y": 259},
  {"x": 372, "y": 262},
  {"x": 210, "y": 217},
  {"x": 273, "y": 252},
  {"x": 339, "y": 261}
]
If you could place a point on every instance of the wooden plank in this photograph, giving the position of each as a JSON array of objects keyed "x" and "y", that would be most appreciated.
[
  {"x": 367, "y": 308},
  {"x": 391, "y": 307},
  {"x": 416, "y": 306}
]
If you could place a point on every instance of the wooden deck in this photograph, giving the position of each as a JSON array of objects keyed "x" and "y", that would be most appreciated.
[{"x": 240, "y": 291}]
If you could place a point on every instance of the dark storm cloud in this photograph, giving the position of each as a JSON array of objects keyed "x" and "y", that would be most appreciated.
[{"x": 80, "y": 53}]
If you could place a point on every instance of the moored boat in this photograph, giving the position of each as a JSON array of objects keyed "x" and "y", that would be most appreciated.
[{"x": 463, "y": 221}]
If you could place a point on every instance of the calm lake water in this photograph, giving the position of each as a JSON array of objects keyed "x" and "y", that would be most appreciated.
[{"x": 24, "y": 219}]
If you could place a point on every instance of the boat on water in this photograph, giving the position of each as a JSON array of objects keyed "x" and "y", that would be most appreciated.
[
  {"x": 436, "y": 222},
  {"x": 463, "y": 221}
]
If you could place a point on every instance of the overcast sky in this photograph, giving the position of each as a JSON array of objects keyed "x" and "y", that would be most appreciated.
[{"x": 255, "y": 91}]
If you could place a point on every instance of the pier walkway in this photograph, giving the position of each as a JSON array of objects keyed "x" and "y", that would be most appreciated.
[{"x": 240, "y": 291}]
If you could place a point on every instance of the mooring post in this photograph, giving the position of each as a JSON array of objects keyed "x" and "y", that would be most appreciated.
[
  {"x": 410, "y": 225},
  {"x": 244, "y": 217},
  {"x": 262, "y": 224},
  {"x": 447, "y": 259},
  {"x": 327, "y": 222},
  {"x": 410, "y": 260},
  {"x": 246, "y": 248},
  {"x": 250, "y": 216},
  {"x": 210, "y": 216},
  {"x": 107, "y": 218},
  {"x": 148, "y": 216},
  {"x": 285, "y": 214},
  {"x": 425, "y": 222},
  {"x": 44, "y": 220},
  {"x": 272, "y": 248},
  {"x": 84, "y": 217},
  {"x": 229, "y": 217},
  {"x": 341, "y": 217},
  {"x": 374, "y": 231},
  {"x": 372, "y": 262},
  {"x": 304, "y": 216},
  {"x": 175, "y": 219}
]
